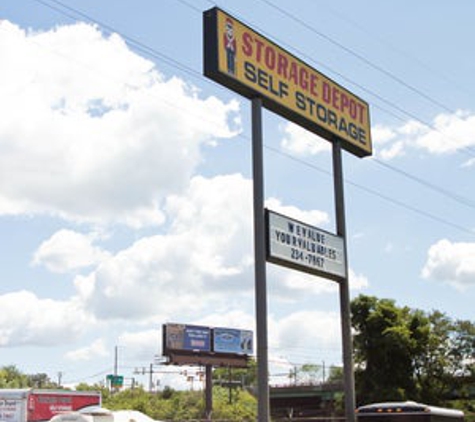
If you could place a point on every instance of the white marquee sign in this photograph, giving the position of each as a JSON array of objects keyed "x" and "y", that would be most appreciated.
[{"x": 297, "y": 245}]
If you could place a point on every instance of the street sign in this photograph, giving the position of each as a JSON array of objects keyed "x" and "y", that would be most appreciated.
[{"x": 115, "y": 380}]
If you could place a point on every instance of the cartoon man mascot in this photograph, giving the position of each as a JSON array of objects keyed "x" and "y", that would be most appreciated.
[{"x": 230, "y": 46}]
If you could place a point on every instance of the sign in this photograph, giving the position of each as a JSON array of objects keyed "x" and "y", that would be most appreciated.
[
  {"x": 11, "y": 409},
  {"x": 116, "y": 380},
  {"x": 299, "y": 246},
  {"x": 191, "y": 338},
  {"x": 250, "y": 64},
  {"x": 229, "y": 340}
]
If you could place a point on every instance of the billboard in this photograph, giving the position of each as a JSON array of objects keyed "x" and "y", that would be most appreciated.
[
  {"x": 192, "y": 338},
  {"x": 230, "y": 340},
  {"x": 250, "y": 64},
  {"x": 184, "y": 339},
  {"x": 297, "y": 245}
]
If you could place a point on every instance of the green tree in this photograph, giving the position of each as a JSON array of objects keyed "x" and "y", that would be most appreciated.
[
  {"x": 41, "y": 380},
  {"x": 432, "y": 362},
  {"x": 402, "y": 353},
  {"x": 11, "y": 377},
  {"x": 335, "y": 375},
  {"x": 174, "y": 405},
  {"x": 242, "y": 408},
  {"x": 463, "y": 356},
  {"x": 384, "y": 343},
  {"x": 311, "y": 373},
  {"x": 445, "y": 367},
  {"x": 246, "y": 377}
]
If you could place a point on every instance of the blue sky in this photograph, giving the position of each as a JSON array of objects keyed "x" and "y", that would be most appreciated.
[{"x": 125, "y": 177}]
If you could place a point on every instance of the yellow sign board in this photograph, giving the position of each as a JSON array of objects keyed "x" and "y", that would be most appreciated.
[{"x": 245, "y": 61}]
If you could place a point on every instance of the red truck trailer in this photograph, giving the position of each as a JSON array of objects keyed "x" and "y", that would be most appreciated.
[{"x": 32, "y": 405}]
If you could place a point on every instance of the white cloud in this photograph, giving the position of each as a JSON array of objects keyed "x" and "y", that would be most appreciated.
[
  {"x": 205, "y": 253},
  {"x": 382, "y": 135},
  {"x": 231, "y": 319},
  {"x": 28, "y": 320},
  {"x": 302, "y": 142},
  {"x": 205, "y": 259},
  {"x": 94, "y": 136},
  {"x": 385, "y": 142},
  {"x": 452, "y": 263},
  {"x": 141, "y": 345},
  {"x": 293, "y": 286},
  {"x": 93, "y": 351},
  {"x": 449, "y": 133},
  {"x": 215, "y": 217},
  {"x": 394, "y": 150},
  {"x": 357, "y": 281},
  {"x": 305, "y": 332},
  {"x": 203, "y": 262},
  {"x": 454, "y": 132},
  {"x": 313, "y": 217},
  {"x": 389, "y": 247},
  {"x": 105, "y": 132},
  {"x": 68, "y": 250}
]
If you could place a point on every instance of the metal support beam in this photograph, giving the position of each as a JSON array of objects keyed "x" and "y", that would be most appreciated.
[
  {"x": 208, "y": 392},
  {"x": 345, "y": 314},
  {"x": 260, "y": 263}
]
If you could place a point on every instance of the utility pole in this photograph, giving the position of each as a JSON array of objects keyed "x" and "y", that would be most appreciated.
[
  {"x": 116, "y": 359},
  {"x": 147, "y": 371}
]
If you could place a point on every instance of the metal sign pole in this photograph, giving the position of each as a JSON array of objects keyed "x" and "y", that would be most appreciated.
[
  {"x": 345, "y": 314},
  {"x": 260, "y": 263},
  {"x": 208, "y": 391}
]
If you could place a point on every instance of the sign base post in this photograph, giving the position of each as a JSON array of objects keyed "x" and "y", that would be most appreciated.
[
  {"x": 260, "y": 263},
  {"x": 345, "y": 313}
]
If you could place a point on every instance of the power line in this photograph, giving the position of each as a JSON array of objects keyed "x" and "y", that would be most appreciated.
[
  {"x": 378, "y": 194},
  {"x": 192, "y": 6},
  {"x": 381, "y": 70},
  {"x": 465, "y": 150},
  {"x": 178, "y": 65},
  {"x": 445, "y": 192},
  {"x": 408, "y": 56},
  {"x": 139, "y": 46},
  {"x": 358, "y": 56},
  {"x": 83, "y": 379}
]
